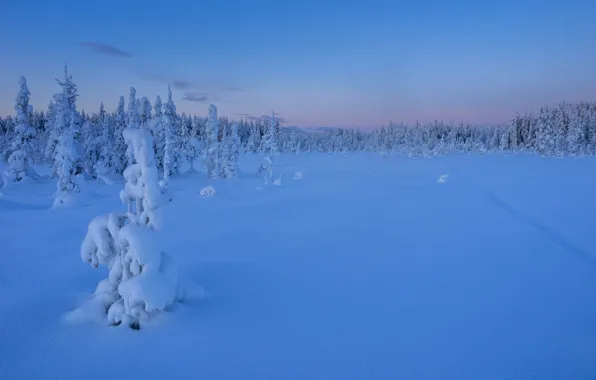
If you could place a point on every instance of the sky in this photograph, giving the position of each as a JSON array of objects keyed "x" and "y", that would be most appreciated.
[{"x": 313, "y": 62}]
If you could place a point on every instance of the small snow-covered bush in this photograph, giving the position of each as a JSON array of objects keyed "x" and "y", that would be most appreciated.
[
  {"x": 443, "y": 178},
  {"x": 207, "y": 191},
  {"x": 266, "y": 170},
  {"x": 298, "y": 175}
]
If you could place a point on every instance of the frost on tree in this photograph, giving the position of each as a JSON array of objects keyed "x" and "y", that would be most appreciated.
[
  {"x": 143, "y": 280},
  {"x": 210, "y": 154},
  {"x": 22, "y": 145}
]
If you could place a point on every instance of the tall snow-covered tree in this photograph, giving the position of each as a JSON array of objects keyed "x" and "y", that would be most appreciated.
[
  {"x": 158, "y": 133},
  {"x": 119, "y": 157},
  {"x": 143, "y": 280},
  {"x": 168, "y": 124},
  {"x": 20, "y": 158},
  {"x": 269, "y": 144},
  {"x": 66, "y": 152},
  {"x": 132, "y": 119},
  {"x": 230, "y": 153},
  {"x": 104, "y": 162},
  {"x": 211, "y": 150}
]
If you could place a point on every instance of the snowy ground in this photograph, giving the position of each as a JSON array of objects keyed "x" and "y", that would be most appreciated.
[{"x": 367, "y": 268}]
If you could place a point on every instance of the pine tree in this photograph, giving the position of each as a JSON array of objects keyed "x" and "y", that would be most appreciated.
[
  {"x": 210, "y": 156},
  {"x": 132, "y": 120},
  {"x": 104, "y": 163},
  {"x": 158, "y": 133},
  {"x": 20, "y": 158},
  {"x": 168, "y": 125},
  {"x": 143, "y": 280},
  {"x": 66, "y": 153},
  {"x": 119, "y": 156},
  {"x": 269, "y": 144}
]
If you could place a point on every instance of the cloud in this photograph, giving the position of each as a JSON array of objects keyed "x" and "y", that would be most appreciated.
[
  {"x": 264, "y": 118},
  {"x": 106, "y": 49},
  {"x": 200, "y": 97},
  {"x": 181, "y": 84},
  {"x": 177, "y": 83}
]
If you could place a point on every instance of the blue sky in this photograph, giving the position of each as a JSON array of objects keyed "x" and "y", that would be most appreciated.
[{"x": 342, "y": 63}]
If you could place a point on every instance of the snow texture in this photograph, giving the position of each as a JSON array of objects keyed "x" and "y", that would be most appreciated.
[{"x": 348, "y": 275}]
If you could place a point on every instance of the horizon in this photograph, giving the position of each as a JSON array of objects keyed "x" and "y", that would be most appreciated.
[{"x": 315, "y": 64}]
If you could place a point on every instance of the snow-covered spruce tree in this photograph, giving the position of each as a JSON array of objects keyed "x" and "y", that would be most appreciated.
[
  {"x": 20, "y": 158},
  {"x": 65, "y": 155},
  {"x": 168, "y": 122},
  {"x": 269, "y": 148},
  {"x": 119, "y": 157},
  {"x": 269, "y": 143},
  {"x": 230, "y": 153},
  {"x": 106, "y": 143},
  {"x": 66, "y": 152},
  {"x": 143, "y": 280},
  {"x": 91, "y": 147},
  {"x": 211, "y": 150},
  {"x": 158, "y": 133},
  {"x": 132, "y": 120}
]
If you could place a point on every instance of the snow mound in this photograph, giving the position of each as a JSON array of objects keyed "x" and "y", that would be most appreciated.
[
  {"x": 443, "y": 178},
  {"x": 105, "y": 179},
  {"x": 63, "y": 199},
  {"x": 207, "y": 191},
  {"x": 277, "y": 182},
  {"x": 298, "y": 175}
]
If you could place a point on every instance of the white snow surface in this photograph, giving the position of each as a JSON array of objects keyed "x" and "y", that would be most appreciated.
[{"x": 366, "y": 269}]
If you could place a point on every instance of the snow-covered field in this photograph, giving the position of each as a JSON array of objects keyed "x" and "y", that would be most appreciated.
[{"x": 365, "y": 268}]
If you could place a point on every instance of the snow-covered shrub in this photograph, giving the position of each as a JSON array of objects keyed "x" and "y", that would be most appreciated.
[
  {"x": 443, "y": 178},
  {"x": 266, "y": 170},
  {"x": 207, "y": 191},
  {"x": 298, "y": 175}
]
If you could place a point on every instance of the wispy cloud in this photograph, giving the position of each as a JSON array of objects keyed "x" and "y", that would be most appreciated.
[
  {"x": 264, "y": 117},
  {"x": 181, "y": 84},
  {"x": 106, "y": 49},
  {"x": 200, "y": 97},
  {"x": 177, "y": 83}
]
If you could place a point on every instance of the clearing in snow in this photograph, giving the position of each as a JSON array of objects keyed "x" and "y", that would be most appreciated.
[{"x": 366, "y": 268}]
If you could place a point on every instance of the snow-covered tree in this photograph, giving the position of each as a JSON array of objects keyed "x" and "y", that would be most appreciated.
[
  {"x": 158, "y": 133},
  {"x": 269, "y": 144},
  {"x": 132, "y": 120},
  {"x": 104, "y": 162},
  {"x": 211, "y": 150},
  {"x": 168, "y": 124},
  {"x": 230, "y": 153},
  {"x": 143, "y": 280},
  {"x": 20, "y": 158},
  {"x": 119, "y": 157},
  {"x": 66, "y": 152}
]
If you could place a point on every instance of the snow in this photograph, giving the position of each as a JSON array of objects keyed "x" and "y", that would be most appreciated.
[{"x": 343, "y": 274}]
